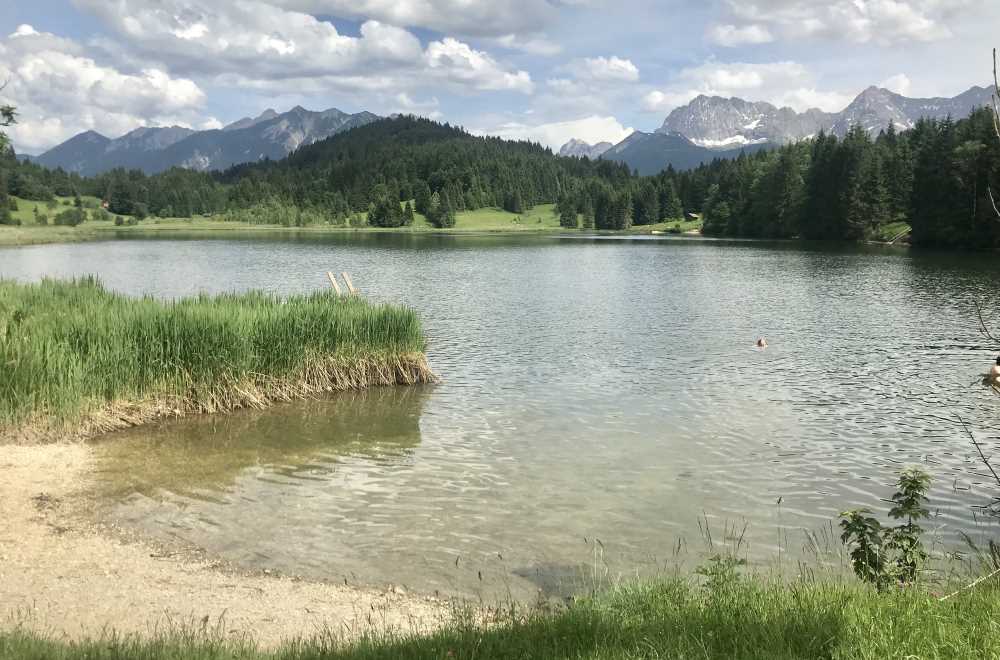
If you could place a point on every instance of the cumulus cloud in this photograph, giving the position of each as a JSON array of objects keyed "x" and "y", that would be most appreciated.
[
  {"x": 732, "y": 36},
  {"x": 59, "y": 91},
  {"x": 537, "y": 45},
  {"x": 464, "y": 17},
  {"x": 260, "y": 44},
  {"x": 784, "y": 83},
  {"x": 459, "y": 62},
  {"x": 884, "y": 22},
  {"x": 899, "y": 83},
  {"x": 592, "y": 129},
  {"x": 403, "y": 103},
  {"x": 607, "y": 69}
]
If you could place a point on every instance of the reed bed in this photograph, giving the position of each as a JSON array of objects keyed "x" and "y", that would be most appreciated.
[{"x": 77, "y": 360}]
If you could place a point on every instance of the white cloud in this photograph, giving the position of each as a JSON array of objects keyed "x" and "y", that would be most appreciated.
[
  {"x": 59, "y": 91},
  {"x": 403, "y": 103},
  {"x": 24, "y": 30},
  {"x": 664, "y": 101},
  {"x": 591, "y": 129},
  {"x": 606, "y": 69},
  {"x": 732, "y": 36},
  {"x": 458, "y": 61},
  {"x": 538, "y": 45},
  {"x": 884, "y": 22},
  {"x": 260, "y": 44},
  {"x": 784, "y": 83},
  {"x": 899, "y": 83},
  {"x": 466, "y": 17}
]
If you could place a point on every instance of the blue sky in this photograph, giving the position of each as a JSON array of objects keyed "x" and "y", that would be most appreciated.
[{"x": 546, "y": 70}]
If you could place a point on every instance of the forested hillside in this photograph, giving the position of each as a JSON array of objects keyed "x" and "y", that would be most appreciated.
[{"x": 935, "y": 178}]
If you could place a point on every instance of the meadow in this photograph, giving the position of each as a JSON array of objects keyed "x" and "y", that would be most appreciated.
[
  {"x": 81, "y": 360},
  {"x": 540, "y": 219},
  {"x": 722, "y": 615}
]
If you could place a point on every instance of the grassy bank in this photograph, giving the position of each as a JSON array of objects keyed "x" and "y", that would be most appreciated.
[
  {"x": 80, "y": 360},
  {"x": 742, "y": 618},
  {"x": 540, "y": 219}
]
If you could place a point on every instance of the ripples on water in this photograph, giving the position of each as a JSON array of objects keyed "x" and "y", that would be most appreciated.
[{"x": 593, "y": 389}]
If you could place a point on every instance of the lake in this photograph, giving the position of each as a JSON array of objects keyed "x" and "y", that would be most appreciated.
[{"x": 602, "y": 404}]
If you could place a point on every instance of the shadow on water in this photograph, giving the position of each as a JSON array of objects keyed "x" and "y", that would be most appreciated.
[{"x": 199, "y": 455}]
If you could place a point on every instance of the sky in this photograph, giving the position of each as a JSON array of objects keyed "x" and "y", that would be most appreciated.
[{"x": 545, "y": 70}]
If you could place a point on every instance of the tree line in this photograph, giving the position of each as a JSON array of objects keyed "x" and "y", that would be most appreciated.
[{"x": 937, "y": 178}]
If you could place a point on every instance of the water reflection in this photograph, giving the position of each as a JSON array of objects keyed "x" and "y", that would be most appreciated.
[{"x": 201, "y": 456}]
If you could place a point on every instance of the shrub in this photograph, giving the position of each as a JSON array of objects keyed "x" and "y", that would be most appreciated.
[
  {"x": 70, "y": 217},
  {"x": 884, "y": 556}
]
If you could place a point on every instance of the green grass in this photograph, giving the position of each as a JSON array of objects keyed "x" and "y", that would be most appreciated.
[
  {"x": 888, "y": 232},
  {"x": 26, "y": 208},
  {"x": 539, "y": 219},
  {"x": 80, "y": 359},
  {"x": 674, "y": 618},
  {"x": 668, "y": 227}
]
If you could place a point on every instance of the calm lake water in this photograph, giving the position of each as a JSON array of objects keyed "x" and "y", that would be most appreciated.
[{"x": 602, "y": 403}]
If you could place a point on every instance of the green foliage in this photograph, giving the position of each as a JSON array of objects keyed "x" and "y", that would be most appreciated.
[
  {"x": 69, "y": 218},
  {"x": 752, "y": 619},
  {"x": 275, "y": 212},
  {"x": 884, "y": 556},
  {"x": 440, "y": 212},
  {"x": 8, "y": 117},
  {"x": 69, "y": 347},
  {"x": 721, "y": 573},
  {"x": 385, "y": 210},
  {"x": 670, "y": 203},
  {"x": 567, "y": 212}
]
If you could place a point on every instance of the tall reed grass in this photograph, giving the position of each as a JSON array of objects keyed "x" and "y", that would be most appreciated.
[{"x": 77, "y": 359}]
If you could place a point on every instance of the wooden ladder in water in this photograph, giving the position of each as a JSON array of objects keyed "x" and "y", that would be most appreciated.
[{"x": 347, "y": 281}]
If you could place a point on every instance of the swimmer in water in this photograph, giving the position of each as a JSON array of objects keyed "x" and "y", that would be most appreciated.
[
  {"x": 762, "y": 343},
  {"x": 995, "y": 373}
]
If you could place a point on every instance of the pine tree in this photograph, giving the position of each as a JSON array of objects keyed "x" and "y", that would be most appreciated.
[
  {"x": 588, "y": 215},
  {"x": 433, "y": 209},
  {"x": 422, "y": 197},
  {"x": 646, "y": 205},
  {"x": 567, "y": 212},
  {"x": 446, "y": 215},
  {"x": 670, "y": 203},
  {"x": 408, "y": 214}
]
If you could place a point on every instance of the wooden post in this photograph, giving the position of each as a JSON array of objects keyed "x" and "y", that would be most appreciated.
[
  {"x": 349, "y": 283},
  {"x": 333, "y": 281}
]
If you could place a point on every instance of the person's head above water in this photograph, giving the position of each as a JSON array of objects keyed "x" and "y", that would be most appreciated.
[{"x": 998, "y": 360}]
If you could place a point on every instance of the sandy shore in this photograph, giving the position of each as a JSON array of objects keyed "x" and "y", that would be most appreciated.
[{"x": 60, "y": 576}]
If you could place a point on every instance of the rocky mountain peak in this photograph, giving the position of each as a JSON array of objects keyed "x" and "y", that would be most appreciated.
[{"x": 580, "y": 149}]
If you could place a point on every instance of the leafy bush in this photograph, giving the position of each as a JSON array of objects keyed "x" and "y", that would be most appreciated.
[
  {"x": 70, "y": 217},
  {"x": 887, "y": 555}
]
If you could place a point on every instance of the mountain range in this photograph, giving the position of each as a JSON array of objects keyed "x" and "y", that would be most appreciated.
[
  {"x": 270, "y": 135},
  {"x": 708, "y": 127},
  {"x": 713, "y": 127}
]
